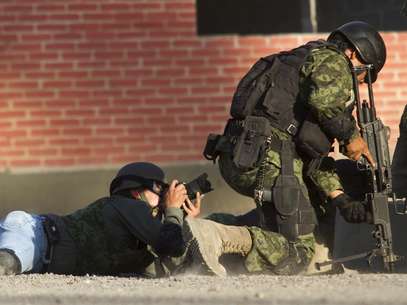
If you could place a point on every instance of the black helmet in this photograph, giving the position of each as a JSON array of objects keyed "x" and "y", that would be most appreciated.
[
  {"x": 367, "y": 42},
  {"x": 136, "y": 175}
]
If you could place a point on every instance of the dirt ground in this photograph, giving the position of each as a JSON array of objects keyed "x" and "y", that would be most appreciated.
[{"x": 352, "y": 288}]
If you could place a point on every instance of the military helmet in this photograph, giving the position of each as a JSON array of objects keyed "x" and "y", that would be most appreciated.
[
  {"x": 367, "y": 42},
  {"x": 136, "y": 175}
]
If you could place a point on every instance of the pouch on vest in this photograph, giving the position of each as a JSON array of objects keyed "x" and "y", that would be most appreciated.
[
  {"x": 311, "y": 140},
  {"x": 215, "y": 144},
  {"x": 210, "y": 153},
  {"x": 251, "y": 144},
  {"x": 252, "y": 87}
]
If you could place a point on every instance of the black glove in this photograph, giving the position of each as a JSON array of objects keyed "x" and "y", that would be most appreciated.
[{"x": 352, "y": 211}]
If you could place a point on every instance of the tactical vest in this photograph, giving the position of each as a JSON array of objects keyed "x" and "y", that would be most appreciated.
[
  {"x": 271, "y": 88},
  {"x": 268, "y": 96},
  {"x": 94, "y": 240}
]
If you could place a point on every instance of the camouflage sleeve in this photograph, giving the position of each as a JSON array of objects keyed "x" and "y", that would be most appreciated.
[{"x": 327, "y": 83}]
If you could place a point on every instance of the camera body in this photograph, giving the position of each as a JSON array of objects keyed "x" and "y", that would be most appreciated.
[{"x": 200, "y": 184}]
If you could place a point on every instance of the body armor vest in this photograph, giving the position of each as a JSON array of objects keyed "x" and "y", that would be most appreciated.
[{"x": 270, "y": 89}]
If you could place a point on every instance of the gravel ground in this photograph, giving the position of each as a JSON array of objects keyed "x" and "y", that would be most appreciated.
[{"x": 351, "y": 288}]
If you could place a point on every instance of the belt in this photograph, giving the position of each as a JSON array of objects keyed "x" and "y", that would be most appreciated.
[{"x": 53, "y": 236}]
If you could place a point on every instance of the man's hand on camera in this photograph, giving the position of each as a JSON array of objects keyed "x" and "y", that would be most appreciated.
[
  {"x": 175, "y": 195},
  {"x": 193, "y": 209}
]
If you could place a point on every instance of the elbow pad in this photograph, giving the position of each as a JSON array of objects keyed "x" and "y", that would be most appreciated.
[{"x": 340, "y": 127}]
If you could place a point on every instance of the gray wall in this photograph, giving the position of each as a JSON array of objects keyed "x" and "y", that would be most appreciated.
[{"x": 63, "y": 192}]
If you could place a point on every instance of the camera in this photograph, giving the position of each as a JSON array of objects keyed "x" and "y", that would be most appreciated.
[{"x": 200, "y": 184}]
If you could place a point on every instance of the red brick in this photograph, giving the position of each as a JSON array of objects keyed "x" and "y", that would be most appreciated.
[
  {"x": 62, "y": 162},
  {"x": 24, "y": 143},
  {"x": 42, "y": 152},
  {"x": 60, "y": 46},
  {"x": 121, "y": 83},
  {"x": 109, "y": 150},
  {"x": 115, "y": 7},
  {"x": 44, "y": 132},
  {"x": 67, "y": 36},
  {"x": 25, "y": 163},
  {"x": 173, "y": 91},
  {"x": 105, "y": 74},
  {"x": 24, "y": 85},
  {"x": 75, "y": 151},
  {"x": 33, "y": 18},
  {"x": 97, "y": 16},
  {"x": 73, "y": 94},
  {"x": 50, "y": 7},
  {"x": 35, "y": 37},
  {"x": 81, "y": 7},
  {"x": 77, "y": 131},
  {"x": 57, "y": 84},
  {"x": 63, "y": 122},
  {"x": 100, "y": 141},
  {"x": 96, "y": 121},
  {"x": 90, "y": 83},
  {"x": 127, "y": 102},
  {"x": 59, "y": 66},
  {"x": 155, "y": 82},
  {"x": 64, "y": 141},
  {"x": 31, "y": 123},
  {"x": 92, "y": 160},
  {"x": 19, "y": 28},
  {"x": 73, "y": 74},
  {"x": 51, "y": 27}
]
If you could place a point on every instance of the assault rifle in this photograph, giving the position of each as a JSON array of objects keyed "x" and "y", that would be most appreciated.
[{"x": 378, "y": 179}]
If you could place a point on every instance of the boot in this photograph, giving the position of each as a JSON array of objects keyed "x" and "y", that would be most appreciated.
[
  {"x": 9, "y": 263},
  {"x": 208, "y": 240}
]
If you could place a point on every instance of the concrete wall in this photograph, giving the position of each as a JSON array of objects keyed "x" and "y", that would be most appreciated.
[{"x": 63, "y": 192}]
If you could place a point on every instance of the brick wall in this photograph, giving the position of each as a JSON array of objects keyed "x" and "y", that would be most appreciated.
[{"x": 100, "y": 83}]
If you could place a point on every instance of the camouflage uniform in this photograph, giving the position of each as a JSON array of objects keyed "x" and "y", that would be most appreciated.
[
  {"x": 326, "y": 87},
  {"x": 116, "y": 235}
]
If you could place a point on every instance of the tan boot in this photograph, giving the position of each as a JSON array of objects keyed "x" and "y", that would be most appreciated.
[{"x": 209, "y": 240}]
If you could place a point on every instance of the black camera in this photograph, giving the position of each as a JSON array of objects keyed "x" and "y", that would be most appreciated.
[{"x": 200, "y": 184}]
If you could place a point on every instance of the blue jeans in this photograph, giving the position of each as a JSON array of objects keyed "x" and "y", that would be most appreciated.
[{"x": 23, "y": 233}]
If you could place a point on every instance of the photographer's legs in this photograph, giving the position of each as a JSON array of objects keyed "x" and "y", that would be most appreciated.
[{"x": 22, "y": 243}]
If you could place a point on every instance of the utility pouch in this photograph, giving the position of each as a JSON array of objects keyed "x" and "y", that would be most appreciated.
[
  {"x": 210, "y": 152},
  {"x": 251, "y": 144},
  {"x": 286, "y": 195},
  {"x": 311, "y": 140},
  {"x": 216, "y": 144}
]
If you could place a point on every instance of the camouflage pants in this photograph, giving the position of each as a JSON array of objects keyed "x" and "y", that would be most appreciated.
[{"x": 270, "y": 250}]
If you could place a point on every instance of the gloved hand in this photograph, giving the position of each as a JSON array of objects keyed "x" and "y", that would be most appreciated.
[{"x": 352, "y": 211}]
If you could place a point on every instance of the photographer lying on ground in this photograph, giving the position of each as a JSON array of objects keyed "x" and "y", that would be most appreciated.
[{"x": 128, "y": 232}]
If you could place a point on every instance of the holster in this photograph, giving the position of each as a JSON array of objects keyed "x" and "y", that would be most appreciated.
[
  {"x": 294, "y": 214},
  {"x": 251, "y": 145}
]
